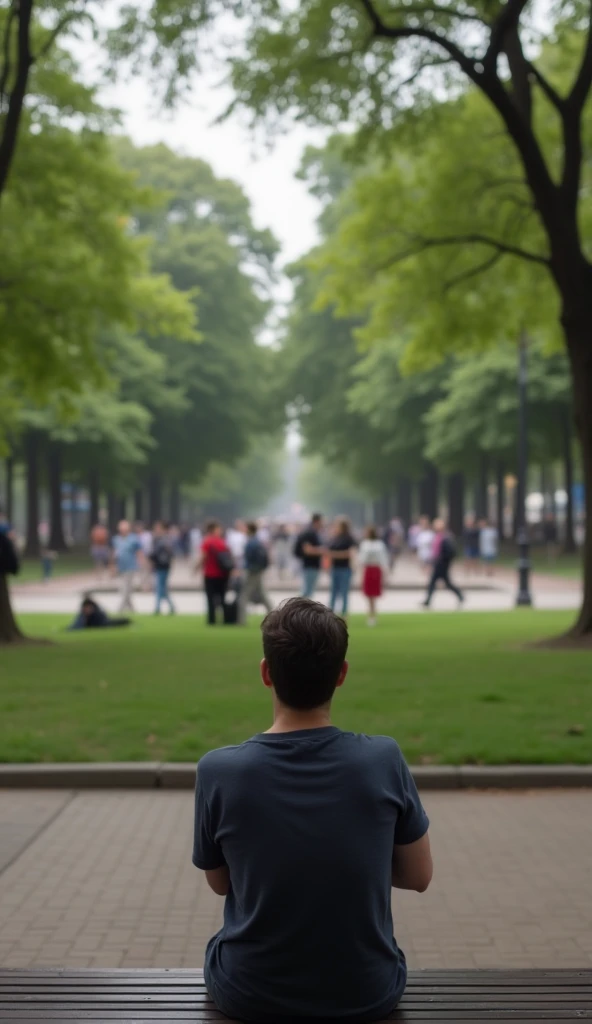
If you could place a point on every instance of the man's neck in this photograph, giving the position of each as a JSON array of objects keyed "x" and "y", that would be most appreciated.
[{"x": 290, "y": 720}]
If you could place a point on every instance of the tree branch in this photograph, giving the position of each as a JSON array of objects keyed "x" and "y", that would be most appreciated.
[
  {"x": 58, "y": 29},
  {"x": 24, "y": 13},
  {"x": 583, "y": 81},
  {"x": 6, "y": 54},
  {"x": 506, "y": 22},
  {"x": 546, "y": 87},
  {"x": 466, "y": 275},
  {"x": 383, "y": 31},
  {"x": 502, "y": 248}
]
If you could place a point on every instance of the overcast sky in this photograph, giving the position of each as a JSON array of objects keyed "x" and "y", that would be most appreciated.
[{"x": 267, "y": 173}]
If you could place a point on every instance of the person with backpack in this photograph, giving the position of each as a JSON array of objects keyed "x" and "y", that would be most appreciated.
[
  {"x": 309, "y": 549},
  {"x": 256, "y": 561},
  {"x": 161, "y": 557},
  {"x": 218, "y": 563},
  {"x": 443, "y": 554}
]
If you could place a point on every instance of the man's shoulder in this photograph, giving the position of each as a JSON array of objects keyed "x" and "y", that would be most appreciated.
[{"x": 216, "y": 762}]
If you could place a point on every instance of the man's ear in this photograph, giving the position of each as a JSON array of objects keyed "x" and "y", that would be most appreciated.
[
  {"x": 264, "y": 668},
  {"x": 342, "y": 674}
]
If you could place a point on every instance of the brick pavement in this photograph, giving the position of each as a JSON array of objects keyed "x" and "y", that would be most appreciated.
[{"x": 109, "y": 882}]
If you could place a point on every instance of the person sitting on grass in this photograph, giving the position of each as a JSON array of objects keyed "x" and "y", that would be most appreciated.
[
  {"x": 92, "y": 616},
  {"x": 304, "y": 828}
]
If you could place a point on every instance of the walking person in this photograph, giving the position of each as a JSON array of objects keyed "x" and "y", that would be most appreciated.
[
  {"x": 99, "y": 548},
  {"x": 488, "y": 545},
  {"x": 424, "y": 543},
  {"x": 218, "y": 563},
  {"x": 374, "y": 558},
  {"x": 281, "y": 549},
  {"x": 309, "y": 549},
  {"x": 126, "y": 548},
  {"x": 444, "y": 554},
  {"x": 256, "y": 561},
  {"x": 341, "y": 549},
  {"x": 161, "y": 557}
]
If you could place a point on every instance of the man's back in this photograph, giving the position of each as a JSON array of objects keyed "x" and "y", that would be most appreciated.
[{"x": 306, "y": 822}]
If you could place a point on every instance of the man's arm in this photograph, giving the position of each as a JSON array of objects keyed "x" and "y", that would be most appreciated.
[
  {"x": 310, "y": 549},
  {"x": 219, "y": 880},
  {"x": 412, "y": 865}
]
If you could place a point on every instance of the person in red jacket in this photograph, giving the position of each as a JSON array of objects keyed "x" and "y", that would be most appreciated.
[{"x": 217, "y": 563}]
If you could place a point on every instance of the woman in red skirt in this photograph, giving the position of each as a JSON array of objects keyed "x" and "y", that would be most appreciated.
[{"x": 374, "y": 559}]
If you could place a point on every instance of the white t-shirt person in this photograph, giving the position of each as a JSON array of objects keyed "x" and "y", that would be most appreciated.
[
  {"x": 373, "y": 552},
  {"x": 425, "y": 545},
  {"x": 488, "y": 542}
]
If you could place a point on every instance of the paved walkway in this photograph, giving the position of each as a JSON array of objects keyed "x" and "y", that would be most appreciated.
[
  {"x": 405, "y": 592},
  {"x": 104, "y": 879}
]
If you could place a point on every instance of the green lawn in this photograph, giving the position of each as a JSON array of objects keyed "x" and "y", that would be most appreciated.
[
  {"x": 64, "y": 565},
  {"x": 451, "y": 688},
  {"x": 568, "y": 566}
]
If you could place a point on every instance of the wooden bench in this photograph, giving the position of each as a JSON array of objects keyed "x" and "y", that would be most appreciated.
[{"x": 149, "y": 996}]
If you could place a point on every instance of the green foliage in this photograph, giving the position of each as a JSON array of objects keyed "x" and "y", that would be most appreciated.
[
  {"x": 249, "y": 485},
  {"x": 71, "y": 268}
]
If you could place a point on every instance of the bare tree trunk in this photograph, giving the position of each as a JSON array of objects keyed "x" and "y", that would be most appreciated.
[
  {"x": 456, "y": 503},
  {"x": 9, "y": 500},
  {"x": 112, "y": 513},
  {"x": 22, "y": 12},
  {"x": 500, "y": 500},
  {"x": 481, "y": 485},
  {"x": 32, "y": 548},
  {"x": 578, "y": 330},
  {"x": 139, "y": 505},
  {"x": 155, "y": 497},
  {"x": 9, "y": 631},
  {"x": 175, "y": 503},
  {"x": 93, "y": 496},
  {"x": 57, "y": 541},
  {"x": 428, "y": 492},
  {"x": 404, "y": 510},
  {"x": 569, "y": 541}
]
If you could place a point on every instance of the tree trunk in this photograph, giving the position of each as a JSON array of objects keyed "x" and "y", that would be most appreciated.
[
  {"x": 18, "y": 88},
  {"x": 481, "y": 485},
  {"x": 175, "y": 503},
  {"x": 32, "y": 548},
  {"x": 404, "y": 495},
  {"x": 428, "y": 492},
  {"x": 456, "y": 503},
  {"x": 9, "y": 498},
  {"x": 569, "y": 541},
  {"x": 9, "y": 631},
  {"x": 578, "y": 331},
  {"x": 139, "y": 505},
  {"x": 154, "y": 497},
  {"x": 93, "y": 496},
  {"x": 121, "y": 505},
  {"x": 57, "y": 541},
  {"x": 112, "y": 513},
  {"x": 500, "y": 500}
]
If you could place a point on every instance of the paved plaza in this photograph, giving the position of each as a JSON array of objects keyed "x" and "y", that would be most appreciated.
[
  {"x": 405, "y": 593},
  {"x": 104, "y": 879}
]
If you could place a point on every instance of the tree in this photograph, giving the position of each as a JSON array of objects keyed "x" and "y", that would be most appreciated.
[{"x": 371, "y": 62}]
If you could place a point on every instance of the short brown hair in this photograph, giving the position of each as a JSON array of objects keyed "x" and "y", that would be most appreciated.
[{"x": 305, "y": 645}]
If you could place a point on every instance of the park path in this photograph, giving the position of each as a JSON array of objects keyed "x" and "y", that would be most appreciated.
[
  {"x": 483, "y": 593},
  {"x": 104, "y": 879}
]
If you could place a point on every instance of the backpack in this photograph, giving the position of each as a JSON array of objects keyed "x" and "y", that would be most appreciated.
[
  {"x": 299, "y": 547},
  {"x": 225, "y": 561},
  {"x": 258, "y": 557},
  {"x": 161, "y": 557},
  {"x": 9, "y": 562}
]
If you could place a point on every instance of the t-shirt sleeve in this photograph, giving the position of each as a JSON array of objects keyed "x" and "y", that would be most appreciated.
[
  {"x": 207, "y": 852},
  {"x": 413, "y": 821}
]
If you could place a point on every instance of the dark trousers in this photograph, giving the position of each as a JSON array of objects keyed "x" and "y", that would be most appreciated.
[
  {"x": 215, "y": 591},
  {"x": 441, "y": 572}
]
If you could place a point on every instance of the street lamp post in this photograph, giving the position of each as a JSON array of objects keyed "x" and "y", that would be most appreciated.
[{"x": 523, "y": 597}]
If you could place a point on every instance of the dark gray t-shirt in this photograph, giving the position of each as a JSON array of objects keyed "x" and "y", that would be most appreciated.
[{"x": 306, "y": 822}]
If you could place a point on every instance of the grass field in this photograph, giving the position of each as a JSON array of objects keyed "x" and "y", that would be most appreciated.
[
  {"x": 566, "y": 566},
  {"x": 458, "y": 688},
  {"x": 64, "y": 565}
]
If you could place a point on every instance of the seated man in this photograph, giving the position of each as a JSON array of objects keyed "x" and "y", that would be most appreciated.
[
  {"x": 92, "y": 616},
  {"x": 304, "y": 829}
]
